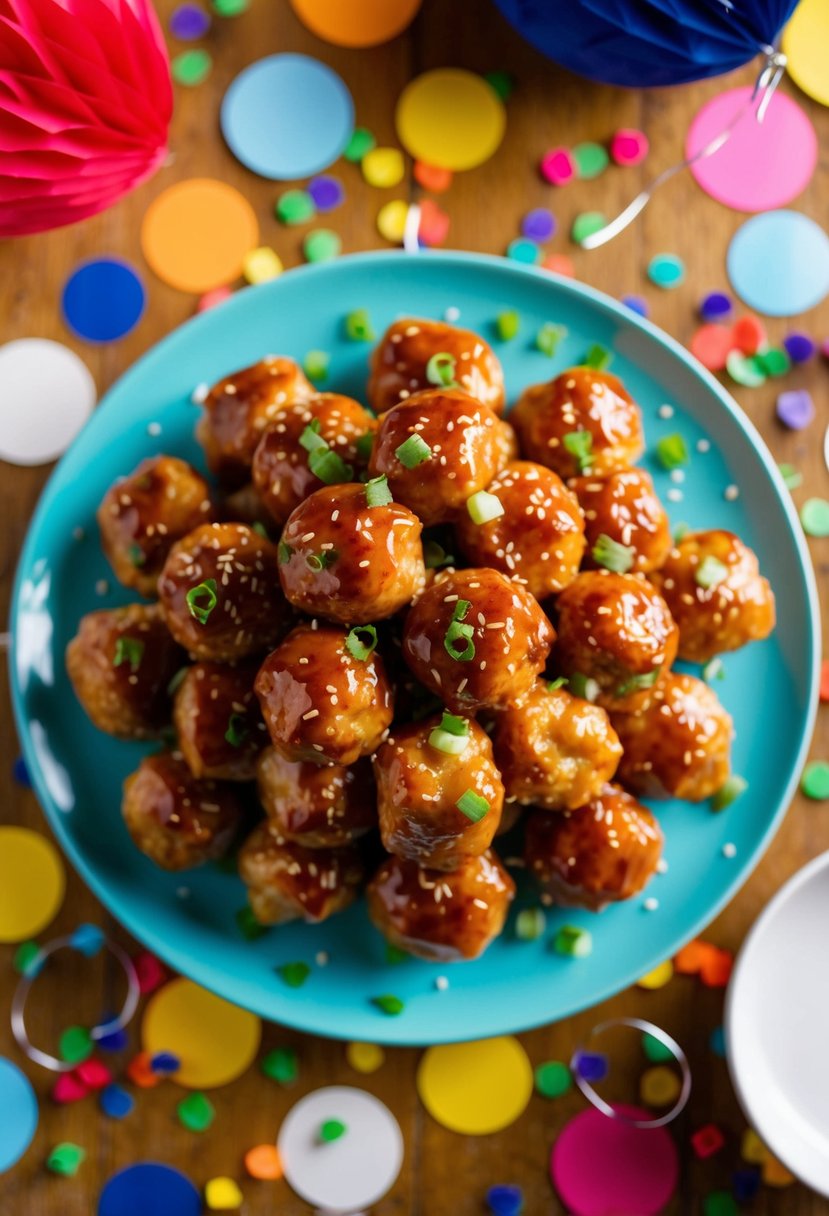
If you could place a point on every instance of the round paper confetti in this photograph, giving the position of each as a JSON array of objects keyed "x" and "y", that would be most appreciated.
[
  {"x": 799, "y": 347},
  {"x": 814, "y": 515},
  {"x": 295, "y": 207},
  {"x": 149, "y": 1187},
  {"x": 637, "y": 304},
  {"x": 261, "y": 265},
  {"x": 192, "y": 67},
  {"x": 18, "y": 1113},
  {"x": 806, "y": 45},
  {"x": 666, "y": 270},
  {"x": 32, "y": 883},
  {"x": 658, "y": 978},
  {"x": 391, "y": 220},
  {"x": 538, "y": 225},
  {"x": 287, "y": 116},
  {"x": 712, "y": 344},
  {"x": 815, "y": 780},
  {"x": 476, "y": 1088},
  {"x": 352, "y": 1172},
  {"x": 450, "y": 118},
  {"x": 600, "y": 1165},
  {"x": 327, "y": 193},
  {"x": 629, "y": 146},
  {"x": 434, "y": 224},
  {"x": 196, "y": 234},
  {"x": 585, "y": 224},
  {"x": 716, "y": 306},
  {"x": 48, "y": 394},
  {"x": 795, "y": 408},
  {"x": 322, "y": 245},
  {"x": 761, "y": 165},
  {"x": 591, "y": 160},
  {"x": 215, "y": 1041},
  {"x": 189, "y": 21},
  {"x": 560, "y": 263},
  {"x": 103, "y": 300},
  {"x": 365, "y": 24},
  {"x": 522, "y": 250},
  {"x": 365, "y": 1057},
  {"x": 430, "y": 177},
  {"x": 361, "y": 142},
  {"x": 383, "y": 167},
  {"x": 778, "y": 263},
  {"x": 558, "y": 167}
]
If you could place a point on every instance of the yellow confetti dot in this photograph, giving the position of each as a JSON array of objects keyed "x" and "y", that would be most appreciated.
[
  {"x": 658, "y": 978},
  {"x": 450, "y": 118},
  {"x": 659, "y": 1086},
  {"x": 752, "y": 1148},
  {"x": 476, "y": 1088},
  {"x": 391, "y": 220},
  {"x": 261, "y": 264},
  {"x": 806, "y": 44},
  {"x": 32, "y": 883},
  {"x": 223, "y": 1195},
  {"x": 383, "y": 167},
  {"x": 215, "y": 1041},
  {"x": 365, "y": 1057},
  {"x": 774, "y": 1172}
]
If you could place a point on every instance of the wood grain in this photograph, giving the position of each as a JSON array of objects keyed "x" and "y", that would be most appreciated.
[{"x": 443, "y": 1174}]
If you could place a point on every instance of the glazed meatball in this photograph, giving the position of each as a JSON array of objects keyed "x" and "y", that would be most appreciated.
[
  {"x": 176, "y": 820},
  {"x": 538, "y": 540},
  {"x": 317, "y": 806},
  {"x": 220, "y": 595},
  {"x": 218, "y": 722},
  {"x": 602, "y": 852},
  {"x": 350, "y": 562},
  {"x": 245, "y": 506},
  {"x": 507, "y": 444},
  {"x": 623, "y": 508},
  {"x": 143, "y": 515},
  {"x": 401, "y": 364},
  {"x": 584, "y": 421},
  {"x": 616, "y": 638},
  {"x": 287, "y": 881},
  {"x": 680, "y": 746},
  {"x": 437, "y": 807},
  {"x": 718, "y": 597},
  {"x": 554, "y": 750},
  {"x": 238, "y": 408},
  {"x": 121, "y": 662},
  {"x": 443, "y": 915},
  {"x": 320, "y": 702},
  {"x": 475, "y": 639},
  {"x": 457, "y": 452},
  {"x": 291, "y": 461}
]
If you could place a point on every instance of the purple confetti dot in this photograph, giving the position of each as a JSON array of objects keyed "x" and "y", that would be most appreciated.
[
  {"x": 716, "y": 306},
  {"x": 795, "y": 408},
  {"x": 539, "y": 224},
  {"x": 189, "y": 21},
  {"x": 637, "y": 304},
  {"x": 591, "y": 1066},
  {"x": 327, "y": 193},
  {"x": 799, "y": 347}
]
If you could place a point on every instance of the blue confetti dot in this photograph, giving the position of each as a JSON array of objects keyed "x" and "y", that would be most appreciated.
[
  {"x": 165, "y": 1062},
  {"x": 799, "y": 347},
  {"x": 117, "y": 1040},
  {"x": 745, "y": 1184},
  {"x": 116, "y": 1102},
  {"x": 591, "y": 1066},
  {"x": 717, "y": 1042},
  {"x": 18, "y": 1114},
  {"x": 103, "y": 300},
  {"x": 716, "y": 306},
  {"x": 778, "y": 263},
  {"x": 505, "y": 1200},
  {"x": 522, "y": 250},
  {"x": 87, "y": 940},
  {"x": 21, "y": 774},
  {"x": 148, "y": 1187},
  {"x": 637, "y": 304}
]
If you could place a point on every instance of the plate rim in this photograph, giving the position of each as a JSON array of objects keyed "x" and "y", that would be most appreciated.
[{"x": 391, "y": 1031}]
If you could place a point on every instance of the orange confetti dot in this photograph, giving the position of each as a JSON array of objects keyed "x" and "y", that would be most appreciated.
[
  {"x": 434, "y": 224},
  {"x": 716, "y": 970},
  {"x": 431, "y": 177},
  {"x": 748, "y": 334},
  {"x": 140, "y": 1073},
  {"x": 559, "y": 263},
  {"x": 775, "y": 1172},
  {"x": 824, "y": 680},
  {"x": 196, "y": 234},
  {"x": 690, "y": 958},
  {"x": 263, "y": 1162},
  {"x": 365, "y": 24}
]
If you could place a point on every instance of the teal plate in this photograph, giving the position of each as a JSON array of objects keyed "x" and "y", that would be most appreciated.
[{"x": 188, "y": 919}]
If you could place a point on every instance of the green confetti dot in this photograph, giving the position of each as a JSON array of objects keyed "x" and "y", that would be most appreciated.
[
  {"x": 361, "y": 142},
  {"x": 815, "y": 780},
  {"x": 744, "y": 370},
  {"x": 75, "y": 1045},
  {"x": 391, "y": 1006},
  {"x": 196, "y": 1112},
  {"x": 720, "y": 1203},
  {"x": 295, "y": 207},
  {"x": 230, "y": 8},
  {"x": 65, "y": 1159},
  {"x": 321, "y": 245},
  {"x": 507, "y": 325},
  {"x": 791, "y": 476},
  {"x": 666, "y": 270},
  {"x": 814, "y": 515},
  {"x": 293, "y": 974},
  {"x": 586, "y": 224},
  {"x": 247, "y": 924},
  {"x": 773, "y": 362},
  {"x": 281, "y": 1065},
  {"x": 573, "y": 942},
  {"x": 24, "y": 956},
  {"x": 591, "y": 159},
  {"x": 331, "y": 1130},
  {"x": 192, "y": 67},
  {"x": 553, "y": 1079},
  {"x": 655, "y": 1050},
  {"x": 502, "y": 83}
]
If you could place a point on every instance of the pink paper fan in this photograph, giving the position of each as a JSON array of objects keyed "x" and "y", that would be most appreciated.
[{"x": 85, "y": 103}]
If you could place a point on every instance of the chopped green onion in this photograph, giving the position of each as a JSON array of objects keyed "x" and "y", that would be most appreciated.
[
  {"x": 558, "y": 682},
  {"x": 580, "y": 445},
  {"x": 128, "y": 650},
  {"x": 311, "y": 439},
  {"x": 713, "y": 670},
  {"x": 435, "y": 556},
  {"x": 202, "y": 600},
  {"x": 364, "y": 445},
  {"x": 177, "y": 681},
  {"x": 454, "y": 724},
  {"x": 293, "y": 974},
  {"x": 548, "y": 338},
  {"x": 321, "y": 561},
  {"x": 392, "y": 1006},
  {"x": 460, "y": 610},
  {"x": 440, "y": 370},
  {"x": 413, "y": 451},
  {"x": 358, "y": 326},
  {"x": 597, "y": 357},
  {"x": 378, "y": 493},
  {"x": 456, "y": 633},
  {"x": 681, "y": 530},
  {"x": 315, "y": 364},
  {"x": 791, "y": 476},
  {"x": 483, "y": 507},
  {"x": 530, "y": 923},
  {"x": 137, "y": 556},
  {"x": 247, "y": 924},
  {"x": 356, "y": 646},
  {"x": 729, "y": 792},
  {"x": 613, "y": 555},
  {"x": 584, "y": 687},
  {"x": 508, "y": 325},
  {"x": 260, "y": 530},
  {"x": 573, "y": 941},
  {"x": 395, "y": 955},
  {"x": 672, "y": 452},
  {"x": 473, "y": 805},
  {"x": 710, "y": 573},
  {"x": 451, "y": 736},
  {"x": 284, "y": 552},
  {"x": 237, "y": 730},
  {"x": 636, "y": 683},
  {"x": 330, "y": 468}
]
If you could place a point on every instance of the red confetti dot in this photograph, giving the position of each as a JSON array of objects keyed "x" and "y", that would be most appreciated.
[
  {"x": 824, "y": 680},
  {"x": 211, "y": 298},
  {"x": 558, "y": 167},
  {"x": 707, "y": 1140},
  {"x": 434, "y": 223},
  {"x": 93, "y": 1074},
  {"x": 149, "y": 972},
  {"x": 712, "y": 344},
  {"x": 749, "y": 335},
  {"x": 559, "y": 263},
  {"x": 431, "y": 177},
  {"x": 139, "y": 1071},
  {"x": 629, "y": 146},
  {"x": 68, "y": 1088}
]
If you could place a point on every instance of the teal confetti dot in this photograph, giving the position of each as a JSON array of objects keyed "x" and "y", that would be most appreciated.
[
  {"x": 524, "y": 250},
  {"x": 666, "y": 270}
]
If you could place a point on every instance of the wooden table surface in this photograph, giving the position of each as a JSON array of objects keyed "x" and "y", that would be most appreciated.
[{"x": 444, "y": 1174}]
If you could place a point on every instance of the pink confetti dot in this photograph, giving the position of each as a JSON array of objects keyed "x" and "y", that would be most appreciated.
[
  {"x": 629, "y": 146},
  {"x": 558, "y": 167}
]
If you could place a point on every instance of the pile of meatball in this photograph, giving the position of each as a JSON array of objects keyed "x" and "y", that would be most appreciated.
[{"x": 385, "y": 635}]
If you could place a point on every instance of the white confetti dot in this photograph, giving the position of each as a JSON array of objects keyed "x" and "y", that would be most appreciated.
[
  {"x": 665, "y": 411},
  {"x": 729, "y": 850},
  {"x": 730, "y": 493},
  {"x": 48, "y": 394}
]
